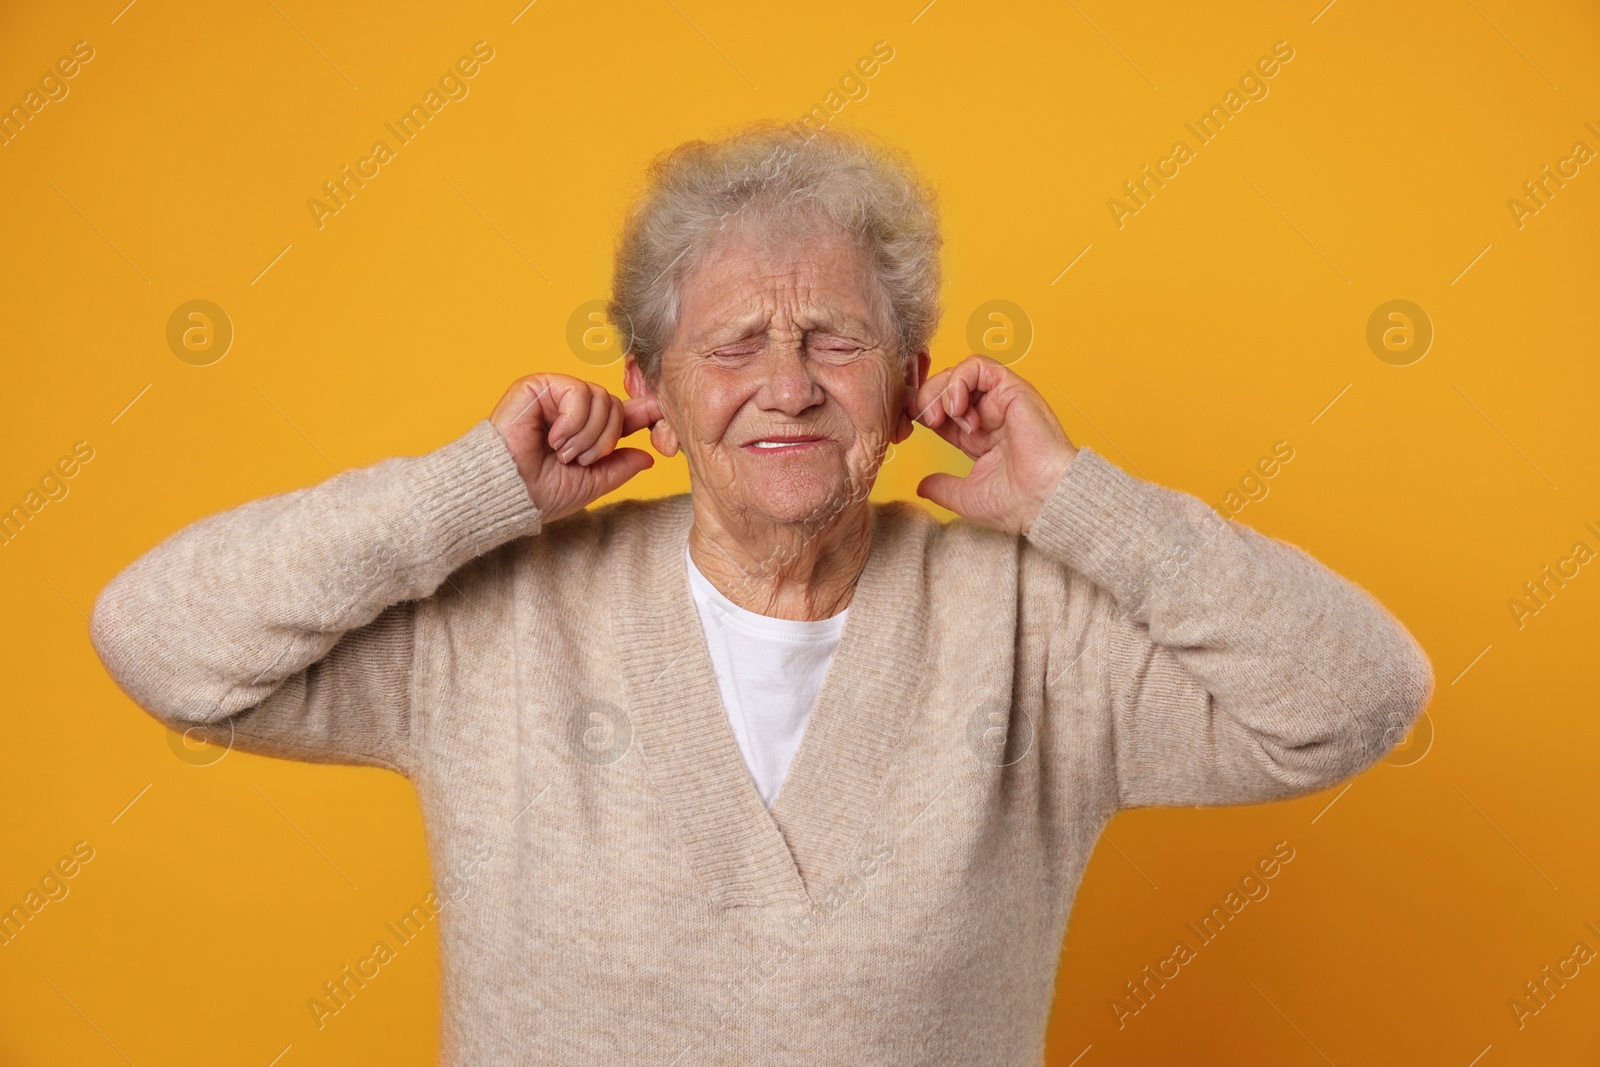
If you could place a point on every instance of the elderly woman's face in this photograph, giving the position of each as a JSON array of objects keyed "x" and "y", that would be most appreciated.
[{"x": 782, "y": 384}]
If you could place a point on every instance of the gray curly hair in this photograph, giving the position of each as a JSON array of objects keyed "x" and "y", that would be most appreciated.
[{"x": 776, "y": 181}]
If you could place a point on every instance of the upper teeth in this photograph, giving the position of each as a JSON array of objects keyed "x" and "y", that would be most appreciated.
[{"x": 773, "y": 444}]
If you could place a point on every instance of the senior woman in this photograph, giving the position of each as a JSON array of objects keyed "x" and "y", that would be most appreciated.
[{"x": 765, "y": 772}]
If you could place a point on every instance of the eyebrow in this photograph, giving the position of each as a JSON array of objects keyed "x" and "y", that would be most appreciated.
[
  {"x": 836, "y": 321},
  {"x": 826, "y": 319},
  {"x": 732, "y": 329}
]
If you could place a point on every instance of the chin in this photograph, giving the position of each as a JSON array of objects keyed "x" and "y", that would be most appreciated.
[{"x": 800, "y": 496}]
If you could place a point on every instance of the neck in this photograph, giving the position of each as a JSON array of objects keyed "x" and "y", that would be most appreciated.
[{"x": 801, "y": 571}]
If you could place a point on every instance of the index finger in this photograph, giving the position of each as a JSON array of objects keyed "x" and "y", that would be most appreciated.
[
  {"x": 639, "y": 413},
  {"x": 980, "y": 374},
  {"x": 966, "y": 384},
  {"x": 928, "y": 410}
]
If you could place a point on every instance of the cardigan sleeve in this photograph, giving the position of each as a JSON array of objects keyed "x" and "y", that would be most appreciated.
[
  {"x": 284, "y": 626},
  {"x": 1239, "y": 668}
]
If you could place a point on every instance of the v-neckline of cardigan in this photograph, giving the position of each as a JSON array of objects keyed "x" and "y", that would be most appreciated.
[{"x": 747, "y": 855}]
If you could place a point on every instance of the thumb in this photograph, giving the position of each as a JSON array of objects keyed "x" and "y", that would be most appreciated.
[
  {"x": 610, "y": 472},
  {"x": 946, "y": 490}
]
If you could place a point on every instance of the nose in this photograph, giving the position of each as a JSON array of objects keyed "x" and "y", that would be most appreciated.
[{"x": 789, "y": 386}]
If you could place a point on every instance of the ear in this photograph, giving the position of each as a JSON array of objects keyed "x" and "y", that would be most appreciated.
[
  {"x": 633, "y": 378},
  {"x": 662, "y": 436},
  {"x": 916, "y": 374}
]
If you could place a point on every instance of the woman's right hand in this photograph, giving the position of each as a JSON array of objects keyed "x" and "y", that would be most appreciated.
[{"x": 563, "y": 433}]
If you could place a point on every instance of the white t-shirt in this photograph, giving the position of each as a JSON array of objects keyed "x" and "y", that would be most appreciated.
[{"x": 769, "y": 671}]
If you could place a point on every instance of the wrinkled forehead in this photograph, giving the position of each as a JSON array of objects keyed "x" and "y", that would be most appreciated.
[{"x": 747, "y": 284}]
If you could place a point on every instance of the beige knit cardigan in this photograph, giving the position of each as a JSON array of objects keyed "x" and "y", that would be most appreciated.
[{"x": 615, "y": 890}]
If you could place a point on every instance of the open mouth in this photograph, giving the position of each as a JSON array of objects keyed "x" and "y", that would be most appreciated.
[{"x": 785, "y": 443}]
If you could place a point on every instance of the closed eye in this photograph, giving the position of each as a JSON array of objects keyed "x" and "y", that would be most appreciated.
[
  {"x": 747, "y": 347},
  {"x": 832, "y": 343}
]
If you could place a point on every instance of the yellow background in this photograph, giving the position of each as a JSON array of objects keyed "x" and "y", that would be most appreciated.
[{"x": 1224, "y": 317}]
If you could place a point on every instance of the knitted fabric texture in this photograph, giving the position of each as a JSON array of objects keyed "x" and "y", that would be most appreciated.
[{"x": 993, "y": 701}]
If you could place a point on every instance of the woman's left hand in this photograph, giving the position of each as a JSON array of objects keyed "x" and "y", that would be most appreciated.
[{"x": 1016, "y": 442}]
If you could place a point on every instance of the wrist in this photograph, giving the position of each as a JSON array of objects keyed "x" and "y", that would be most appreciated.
[{"x": 1055, "y": 471}]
